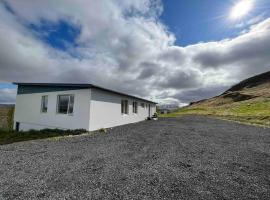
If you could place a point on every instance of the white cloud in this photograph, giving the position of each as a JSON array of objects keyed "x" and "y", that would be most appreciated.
[
  {"x": 124, "y": 46},
  {"x": 7, "y": 96}
]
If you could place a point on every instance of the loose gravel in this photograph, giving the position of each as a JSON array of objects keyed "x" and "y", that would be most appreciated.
[{"x": 184, "y": 158}]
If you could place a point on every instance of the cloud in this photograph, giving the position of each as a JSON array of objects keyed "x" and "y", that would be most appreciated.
[
  {"x": 199, "y": 94},
  {"x": 173, "y": 54},
  {"x": 245, "y": 52},
  {"x": 124, "y": 46},
  {"x": 149, "y": 69},
  {"x": 251, "y": 21},
  {"x": 7, "y": 96},
  {"x": 182, "y": 79}
]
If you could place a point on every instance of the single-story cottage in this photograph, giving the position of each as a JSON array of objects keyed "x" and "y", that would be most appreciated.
[
  {"x": 164, "y": 110},
  {"x": 76, "y": 106}
]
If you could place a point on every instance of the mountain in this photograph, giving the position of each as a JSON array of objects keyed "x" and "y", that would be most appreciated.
[
  {"x": 252, "y": 82},
  {"x": 247, "y": 101}
]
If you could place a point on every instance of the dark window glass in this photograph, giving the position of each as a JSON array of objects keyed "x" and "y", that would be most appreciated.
[
  {"x": 135, "y": 107},
  {"x": 65, "y": 104},
  {"x": 124, "y": 106},
  {"x": 71, "y": 103},
  {"x": 44, "y": 104}
]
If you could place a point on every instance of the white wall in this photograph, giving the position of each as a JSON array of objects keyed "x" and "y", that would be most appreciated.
[
  {"x": 28, "y": 106},
  {"x": 105, "y": 110}
]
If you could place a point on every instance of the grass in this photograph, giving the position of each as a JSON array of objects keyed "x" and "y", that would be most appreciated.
[
  {"x": 254, "y": 111},
  {"x": 7, "y": 137},
  {"x": 6, "y": 117}
]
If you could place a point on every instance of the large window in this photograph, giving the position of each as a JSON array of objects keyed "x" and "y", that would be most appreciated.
[
  {"x": 135, "y": 107},
  {"x": 124, "y": 106},
  {"x": 142, "y": 105},
  {"x": 65, "y": 104},
  {"x": 44, "y": 104}
]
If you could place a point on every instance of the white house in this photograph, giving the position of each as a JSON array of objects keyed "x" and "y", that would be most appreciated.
[{"x": 76, "y": 106}]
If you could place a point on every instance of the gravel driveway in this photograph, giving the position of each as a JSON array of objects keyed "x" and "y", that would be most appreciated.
[{"x": 186, "y": 158}]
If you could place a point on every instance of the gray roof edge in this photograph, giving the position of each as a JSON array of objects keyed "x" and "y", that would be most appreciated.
[{"x": 82, "y": 85}]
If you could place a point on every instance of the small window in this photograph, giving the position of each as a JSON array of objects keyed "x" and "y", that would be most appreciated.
[
  {"x": 135, "y": 107},
  {"x": 44, "y": 104},
  {"x": 124, "y": 106},
  {"x": 65, "y": 104},
  {"x": 142, "y": 105}
]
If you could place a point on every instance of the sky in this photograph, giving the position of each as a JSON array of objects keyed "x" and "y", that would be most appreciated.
[{"x": 170, "y": 51}]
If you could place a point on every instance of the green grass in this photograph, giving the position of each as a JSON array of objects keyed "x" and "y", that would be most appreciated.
[
  {"x": 7, "y": 137},
  {"x": 255, "y": 112}
]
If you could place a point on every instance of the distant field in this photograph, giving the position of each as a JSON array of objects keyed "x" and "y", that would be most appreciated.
[{"x": 6, "y": 117}]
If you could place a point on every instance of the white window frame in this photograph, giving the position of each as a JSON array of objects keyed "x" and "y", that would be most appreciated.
[
  {"x": 135, "y": 107},
  {"x": 57, "y": 106},
  {"x": 125, "y": 109},
  {"x": 42, "y": 99}
]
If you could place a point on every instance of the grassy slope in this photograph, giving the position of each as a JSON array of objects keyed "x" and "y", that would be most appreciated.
[{"x": 255, "y": 110}]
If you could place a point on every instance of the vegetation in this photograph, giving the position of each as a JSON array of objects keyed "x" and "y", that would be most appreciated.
[
  {"x": 247, "y": 102},
  {"x": 6, "y": 116},
  {"x": 10, "y": 116},
  {"x": 7, "y": 137},
  {"x": 255, "y": 111},
  {"x": 102, "y": 130}
]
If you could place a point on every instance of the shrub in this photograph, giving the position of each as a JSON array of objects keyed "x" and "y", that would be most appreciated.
[
  {"x": 102, "y": 130},
  {"x": 155, "y": 115},
  {"x": 13, "y": 136}
]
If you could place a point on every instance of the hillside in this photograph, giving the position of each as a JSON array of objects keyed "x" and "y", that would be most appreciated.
[{"x": 247, "y": 101}]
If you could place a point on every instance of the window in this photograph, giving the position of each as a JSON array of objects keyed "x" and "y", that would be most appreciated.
[
  {"x": 65, "y": 104},
  {"x": 44, "y": 104},
  {"x": 124, "y": 106},
  {"x": 135, "y": 107},
  {"x": 142, "y": 105}
]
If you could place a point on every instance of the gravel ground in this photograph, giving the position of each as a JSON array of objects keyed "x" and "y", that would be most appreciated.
[{"x": 186, "y": 158}]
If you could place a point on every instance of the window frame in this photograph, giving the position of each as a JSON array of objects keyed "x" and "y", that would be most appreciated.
[
  {"x": 125, "y": 109},
  {"x": 41, "y": 106},
  {"x": 135, "y": 107},
  {"x": 58, "y": 101}
]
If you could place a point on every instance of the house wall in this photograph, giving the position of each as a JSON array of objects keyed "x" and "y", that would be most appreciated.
[
  {"x": 105, "y": 110},
  {"x": 28, "y": 111}
]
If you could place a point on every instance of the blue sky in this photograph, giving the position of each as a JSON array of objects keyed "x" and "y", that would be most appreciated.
[
  {"x": 172, "y": 51},
  {"x": 194, "y": 21},
  {"x": 191, "y": 22},
  {"x": 59, "y": 35}
]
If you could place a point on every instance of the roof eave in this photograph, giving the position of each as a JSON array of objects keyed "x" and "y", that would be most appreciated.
[{"x": 84, "y": 85}]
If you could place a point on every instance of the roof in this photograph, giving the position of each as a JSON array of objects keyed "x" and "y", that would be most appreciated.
[{"x": 78, "y": 86}]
